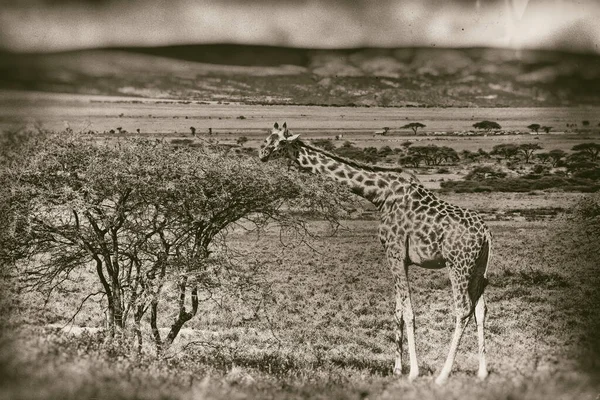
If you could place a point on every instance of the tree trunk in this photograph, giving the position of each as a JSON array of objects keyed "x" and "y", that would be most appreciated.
[
  {"x": 183, "y": 316},
  {"x": 155, "y": 331},
  {"x": 138, "y": 327}
]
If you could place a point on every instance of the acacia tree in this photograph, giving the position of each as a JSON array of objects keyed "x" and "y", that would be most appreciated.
[
  {"x": 140, "y": 214},
  {"x": 557, "y": 155},
  {"x": 487, "y": 125},
  {"x": 414, "y": 126},
  {"x": 590, "y": 150},
  {"x": 543, "y": 157},
  {"x": 527, "y": 149},
  {"x": 434, "y": 155},
  {"x": 411, "y": 160},
  {"x": 534, "y": 127},
  {"x": 508, "y": 150}
]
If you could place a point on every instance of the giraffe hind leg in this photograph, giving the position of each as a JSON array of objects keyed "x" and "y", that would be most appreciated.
[
  {"x": 410, "y": 333},
  {"x": 463, "y": 312},
  {"x": 398, "y": 335},
  {"x": 404, "y": 318},
  {"x": 459, "y": 328},
  {"x": 480, "y": 311}
]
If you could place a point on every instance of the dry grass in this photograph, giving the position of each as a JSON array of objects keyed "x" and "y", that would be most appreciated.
[{"x": 328, "y": 332}]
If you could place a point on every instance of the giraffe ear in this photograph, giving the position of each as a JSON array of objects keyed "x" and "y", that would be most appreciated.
[
  {"x": 285, "y": 125},
  {"x": 292, "y": 138}
]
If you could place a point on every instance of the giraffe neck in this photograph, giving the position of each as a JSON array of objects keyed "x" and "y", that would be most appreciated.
[{"x": 370, "y": 182}]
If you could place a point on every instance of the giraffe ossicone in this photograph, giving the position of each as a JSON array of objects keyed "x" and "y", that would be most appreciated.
[{"x": 416, "y": 228}]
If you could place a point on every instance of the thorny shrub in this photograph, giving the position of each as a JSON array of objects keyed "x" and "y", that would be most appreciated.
[{"x": 143, "y": 216}]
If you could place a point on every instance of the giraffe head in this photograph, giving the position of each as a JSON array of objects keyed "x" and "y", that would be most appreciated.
[{"x": 279, "y": 142}]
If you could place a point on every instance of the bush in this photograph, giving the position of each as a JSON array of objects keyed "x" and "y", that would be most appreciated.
[
  {"x": 524, "y": 184},
  {"x": 182, "y": 142},
  {"x": 540, "y": 169},
  {"x": 146, "y": 216},
  {"x": 485, "y": 172},
  {"x": 325, "y": 144},
  {"x": 586, "y": 218}
]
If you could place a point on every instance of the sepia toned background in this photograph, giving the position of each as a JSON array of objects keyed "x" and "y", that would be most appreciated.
[{"x": 494, "y": 105}]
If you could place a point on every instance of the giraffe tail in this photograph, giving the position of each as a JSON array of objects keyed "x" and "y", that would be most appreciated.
[{"x": 479, "y": 279}]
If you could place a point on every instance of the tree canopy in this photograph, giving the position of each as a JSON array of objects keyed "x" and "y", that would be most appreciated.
[
  {"x": 507, "y": 150},
  {"x": 527, "y": 149},
  {"x": 590, "y": 150},
  {"x": 414, "y": 126},
  {"x": 141, "y": 213},
  {"x": 487, "y": 125}
]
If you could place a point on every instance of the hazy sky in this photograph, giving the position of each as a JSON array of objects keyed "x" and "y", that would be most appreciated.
[{"x": 43, "y": 25}]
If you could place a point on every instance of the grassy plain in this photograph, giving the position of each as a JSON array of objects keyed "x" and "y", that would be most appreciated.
[
  {"x": 327, "y": 330},
  {"x": 173, "y": 119}
]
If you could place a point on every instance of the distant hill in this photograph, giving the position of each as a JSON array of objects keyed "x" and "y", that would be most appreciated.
[{"x": 273, "y": 75}]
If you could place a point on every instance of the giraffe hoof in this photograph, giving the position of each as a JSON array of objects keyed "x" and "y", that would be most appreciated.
[
  {"x": 482, "y": 374},
  {"x": 413, "y": 376},
  {"x": 397, "y": 371}
]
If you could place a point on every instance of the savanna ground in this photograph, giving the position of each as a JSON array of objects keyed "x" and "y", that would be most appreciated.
[{"x": 327, "y": 330}]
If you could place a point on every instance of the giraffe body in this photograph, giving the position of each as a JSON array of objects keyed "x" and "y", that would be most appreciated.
[{"x": 416, "y": 228}]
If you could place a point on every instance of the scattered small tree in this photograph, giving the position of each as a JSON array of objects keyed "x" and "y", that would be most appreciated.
[
  {"x": 543, "y": 157},
  {"x": 383, "y": 132},
  {"x": 241, "y": 140},
  {"x": 385, "y": 151},
  {"x": 325, "y": 144},
  {"x": 534, "y": 127},
  {"x": 487, "y": 125},
  {"x": 591, "y": 150},
  {"x": 546, "y": 129},
  {"x": 579, "y": 162},
  {"x": 434, "y": 155},
  {"x": 508, "y": 150},
  {"x": 414, "y": 126},
  {"x": 557, "y": 155},
  {"x": 527, "y": 149},
  {"x": 483, "y": 153},
  {"x": 193, "y": 130},
  {"x": 484, "y": 172},
  {"x": 411, "y": 160},
  {"x": 469, "y": 155}
]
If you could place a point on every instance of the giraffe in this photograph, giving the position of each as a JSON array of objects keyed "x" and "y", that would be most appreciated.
[{"x": 416, "y": 228}]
